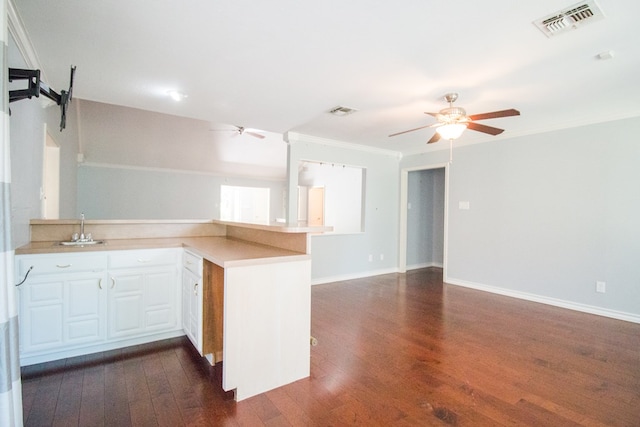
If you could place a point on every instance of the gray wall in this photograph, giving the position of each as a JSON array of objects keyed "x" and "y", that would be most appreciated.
[
  {"x": 550, "y": 214},
  {"x": 425, "y": 218},
  {"x": 343, "y": 256},
  {"x": 146, "y": 165},
  {"x": 130, "y": 193}
]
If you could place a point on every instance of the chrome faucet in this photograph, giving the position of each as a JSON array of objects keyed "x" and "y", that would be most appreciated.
[{"x": 82, "y": 237}]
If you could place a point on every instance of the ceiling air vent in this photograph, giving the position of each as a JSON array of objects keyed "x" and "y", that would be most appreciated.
[
  {"x": 342, "y": 111},
  {"x": 570, "y": 18}
]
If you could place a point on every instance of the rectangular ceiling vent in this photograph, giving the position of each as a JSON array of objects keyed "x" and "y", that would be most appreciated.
[
  {"x": 342, "y": 111},
  {"x": 570, "y": 18}
]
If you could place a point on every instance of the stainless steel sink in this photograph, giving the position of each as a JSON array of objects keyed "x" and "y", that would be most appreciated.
[{"x": 82, "y": 242}]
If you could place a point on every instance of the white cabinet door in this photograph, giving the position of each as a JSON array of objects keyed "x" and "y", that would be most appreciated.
[
  {"x": 192, "y": 298},
  {"x": 41, "y": 314},
  {"x": 192, "y": 307},
  {"x": 59, "y": 311},
  {"x": 85, "y": 309},
  {"x": 144, "y": 292},
  {"x": 186, "y": 303},
  {"x": 126, "y": 304},
  {"x": 161, "y": 298}
]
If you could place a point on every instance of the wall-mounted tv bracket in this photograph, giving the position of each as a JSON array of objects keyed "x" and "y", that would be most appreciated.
[{"x": 35, "y": 87}]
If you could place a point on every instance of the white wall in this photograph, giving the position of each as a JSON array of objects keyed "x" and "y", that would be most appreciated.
[
  {"x": 27, "y": 127},
  {"x": 550, "y": 214},
  {"x": 342, "y": 256}
]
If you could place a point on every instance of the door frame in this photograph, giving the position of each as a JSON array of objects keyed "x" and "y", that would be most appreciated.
[
  {"x": 50, "y": 186},
  {"x": 404, "y": 191}
]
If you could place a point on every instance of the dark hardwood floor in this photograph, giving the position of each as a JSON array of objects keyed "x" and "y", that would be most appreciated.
[{"x": 392, "y": 350}]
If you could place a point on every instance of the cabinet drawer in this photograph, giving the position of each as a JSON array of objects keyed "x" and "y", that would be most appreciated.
[
  {"x": 143, "y": 258},
  {"x": 192, "y": 262},
  {"x": 52, "y": 264}
]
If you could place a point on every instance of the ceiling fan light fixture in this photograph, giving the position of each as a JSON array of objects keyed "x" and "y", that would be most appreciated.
[{"x": 451, "y": 130}]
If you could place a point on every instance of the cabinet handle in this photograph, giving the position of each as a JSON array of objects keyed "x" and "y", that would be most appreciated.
[
  {"x": 141, "y": 260},
  {"x": 63, "y": 266},
  {"x": 100, "y": 284},
  {"x": 113, "y": 282},
  {"x": 195, "y": 289}
]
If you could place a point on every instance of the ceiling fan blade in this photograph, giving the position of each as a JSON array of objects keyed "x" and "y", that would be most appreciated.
[
  {"x": 434, "y": 138},
  {"x": 432, "y": 114},
  {"x": 484, "y": 128},
  {"x": 410, "y": 130},
  {"x": 495, "y": 114},
  {"x": 257, "y": 135}
]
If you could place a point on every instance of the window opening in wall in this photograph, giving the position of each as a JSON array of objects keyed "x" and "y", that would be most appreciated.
[
  {"x": 331, "y": 194},
  {"x": 244, "y": 204}
]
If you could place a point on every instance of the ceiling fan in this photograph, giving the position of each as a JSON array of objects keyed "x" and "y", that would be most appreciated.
[
  {"x": 239, "y": 130},
  {"x": 452, "y": 121}
]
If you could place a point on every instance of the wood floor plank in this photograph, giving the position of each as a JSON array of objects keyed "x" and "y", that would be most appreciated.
[
  {"x": 45, "y": 400},
  {"x": 166, "y": 410},
  {"x": 92, "y": 407},
  {"x": 116, "y": 410},
  {"x": 29, "y": 391},
  {"x": 140, "y": 404},
  {"x": 68, "y": 408}
]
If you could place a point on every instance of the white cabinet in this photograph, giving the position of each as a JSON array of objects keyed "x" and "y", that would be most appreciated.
[
  {"x": 77, "y": 303},
  {"x": 63, "y": 301},
  {"x": 143, "y": 292},
  {"x": 192, "y": 298},
  {"x": 202, "y": 305}
]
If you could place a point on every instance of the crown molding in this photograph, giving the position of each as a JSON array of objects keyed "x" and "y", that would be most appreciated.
[
  {"x": 20, "y": 36},
  {"x": 293, "y": 137}
]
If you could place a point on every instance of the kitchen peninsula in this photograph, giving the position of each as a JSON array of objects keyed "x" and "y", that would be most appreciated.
[{"x": 241, "y": 292}]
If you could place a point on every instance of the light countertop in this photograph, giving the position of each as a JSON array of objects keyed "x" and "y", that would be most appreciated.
[{"x": 223, "y": 251}]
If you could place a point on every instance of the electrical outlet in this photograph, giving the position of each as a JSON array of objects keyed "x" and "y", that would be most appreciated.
[{"x": 601, "y": 287}]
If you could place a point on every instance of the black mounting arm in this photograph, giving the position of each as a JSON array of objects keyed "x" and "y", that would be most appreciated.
[{"x": 35, "y": 87}]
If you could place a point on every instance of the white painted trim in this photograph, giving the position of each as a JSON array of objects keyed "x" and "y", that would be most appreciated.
[
  {"x": 424, "y": 265},
  {"x": 23, "y": 42},
  {"x": 293, "y": 137},
  {"x": 614, "y": 314},
  {"x": 181, "y": 171},
  {"x": 352, "y": 276},
  {"x": 402, "y": 232}
]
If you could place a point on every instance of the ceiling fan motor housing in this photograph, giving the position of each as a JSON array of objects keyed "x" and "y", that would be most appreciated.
[{"x": 453, "y": 114}]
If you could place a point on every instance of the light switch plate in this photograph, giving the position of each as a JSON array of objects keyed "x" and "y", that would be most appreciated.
[{"x": 464, "y": 205}]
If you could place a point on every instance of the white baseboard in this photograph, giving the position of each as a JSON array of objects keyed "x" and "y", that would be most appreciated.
[
  {"x": 424, "y": 265},
  {"x": 360, "y": 275},
  {"x": 614, "y": 314}
]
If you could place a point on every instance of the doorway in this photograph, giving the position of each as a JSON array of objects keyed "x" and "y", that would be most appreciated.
[
  {"x": 51, "y": 178},
  {"x": 423, "y": 217}
]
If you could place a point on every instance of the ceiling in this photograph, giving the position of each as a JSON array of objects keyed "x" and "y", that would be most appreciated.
[{"x": 281, "y": 65}]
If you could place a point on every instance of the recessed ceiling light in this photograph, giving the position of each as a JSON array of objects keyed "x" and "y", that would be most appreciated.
[{"x": 176, "y": 95}]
